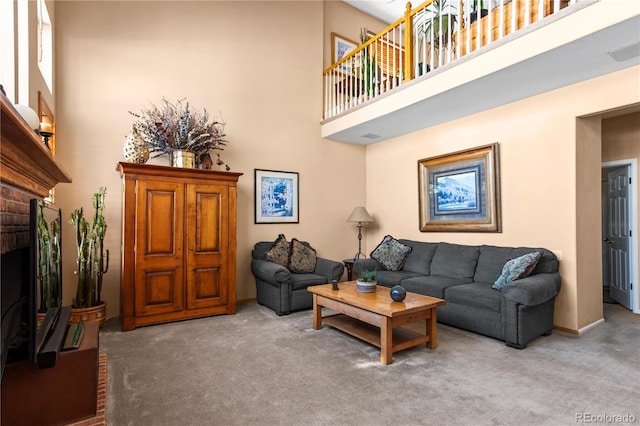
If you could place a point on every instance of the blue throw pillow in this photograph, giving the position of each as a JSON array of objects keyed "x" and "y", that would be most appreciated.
[
  {"x": 391, "y": 253},
  {"x": 517, "y": 268}
]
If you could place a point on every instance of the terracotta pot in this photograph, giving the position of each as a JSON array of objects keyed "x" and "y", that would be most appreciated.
[
  {"x": 41, "y": 317},
  {"x": 94, "y": 313}
]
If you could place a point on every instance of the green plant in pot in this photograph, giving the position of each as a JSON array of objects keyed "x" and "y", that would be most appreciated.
[
  {"x": 437, "y": 27},
  {"x": 368, "y": 64},
  {"x": 92, "y": 261},
  {"x": 366, "y": 281},
  {"x": 49, "y": 267}
]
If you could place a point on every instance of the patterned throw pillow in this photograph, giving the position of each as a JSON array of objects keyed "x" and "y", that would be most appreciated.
[
  {"x": 517, "y": 268},
  {"x": 302, "y": 258},
  {"x": 279, "y": 251},
  {"x": 391, "y": 253}
]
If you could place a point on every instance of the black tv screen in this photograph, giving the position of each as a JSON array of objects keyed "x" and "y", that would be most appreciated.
[{"x": 20, "y": 296}]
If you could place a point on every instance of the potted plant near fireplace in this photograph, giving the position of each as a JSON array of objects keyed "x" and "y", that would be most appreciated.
[
  {"x": 92, "y": 262},
  {"x": 49, "y": 266}
]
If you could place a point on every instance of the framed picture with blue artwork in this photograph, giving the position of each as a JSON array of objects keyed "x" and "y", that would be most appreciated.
[
  {"x": 460, "y": 192},
  {"x": 341, "y": 46},
  {"x": 276, "y": 196}
]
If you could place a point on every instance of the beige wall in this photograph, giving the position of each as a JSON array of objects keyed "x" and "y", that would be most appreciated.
[
  {"x": 537, "y": 139},
  {"x": 258, "y": 63},
  {"x": 345, "y": 20},
  {"x": 588, "y": 287}
]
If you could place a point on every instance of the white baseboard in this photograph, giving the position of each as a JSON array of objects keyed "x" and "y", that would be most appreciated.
[{"x": 590, "y": 326}]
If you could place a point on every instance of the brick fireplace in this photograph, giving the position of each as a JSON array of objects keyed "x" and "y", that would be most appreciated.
[{"x": 14, "y": 217}]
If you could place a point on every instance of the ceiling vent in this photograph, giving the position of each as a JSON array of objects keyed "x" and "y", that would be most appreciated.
[
  {"x": 626, "y": 52},
  {"x": 370, "y": 136}
]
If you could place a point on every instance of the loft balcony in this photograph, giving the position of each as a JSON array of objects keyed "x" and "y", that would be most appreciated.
[{"x": 440, "y": 62}]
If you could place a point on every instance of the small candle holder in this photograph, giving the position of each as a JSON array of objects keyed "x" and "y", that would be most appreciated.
[{"x": 45, "y": 138}]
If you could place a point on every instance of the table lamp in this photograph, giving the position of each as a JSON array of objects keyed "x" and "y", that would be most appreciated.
[{"x": 362, "y": 216}]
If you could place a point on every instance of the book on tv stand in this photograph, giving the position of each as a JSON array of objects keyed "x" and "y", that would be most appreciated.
[{"x": 64, "y": 393}]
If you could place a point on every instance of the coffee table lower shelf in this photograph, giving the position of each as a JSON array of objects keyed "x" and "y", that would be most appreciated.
[{"x": 402, "y": 337}]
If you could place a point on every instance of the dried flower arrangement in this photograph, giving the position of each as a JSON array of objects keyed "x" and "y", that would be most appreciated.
[{"x": 176, "y": 127}]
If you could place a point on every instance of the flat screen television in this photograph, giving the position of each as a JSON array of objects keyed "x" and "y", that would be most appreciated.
[{"x": 19, "y": 292}]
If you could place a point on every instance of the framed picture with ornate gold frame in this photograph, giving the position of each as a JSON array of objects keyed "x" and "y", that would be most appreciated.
[{"x": 460, "y": 192}]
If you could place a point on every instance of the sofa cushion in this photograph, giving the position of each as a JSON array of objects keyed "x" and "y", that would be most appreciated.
[
  {"x": 420, "y": 257},
  {"x": 517, "y": 268},
  {"x": 491, "y": 261},
  {"x": 391, "y": 253},
  {"x": 279, "y": 252},
  {"x": 455, "y": 261},
  {"x": 480, "y": 295},
  {"x": 301, "y": 281},
  {"x": 432, "y": 285},
  {"x": 302, "y": 257},
  {"x": 547, "y": 263},
  {"x": 391, "y": 278}
]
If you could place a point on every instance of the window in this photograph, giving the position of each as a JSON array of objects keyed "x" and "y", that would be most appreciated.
[
  {"x": 7, "y": 46},
  {"x": 45, "y": 44}
]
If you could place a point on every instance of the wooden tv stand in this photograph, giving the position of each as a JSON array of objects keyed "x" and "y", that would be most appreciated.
[{"x": 62, "y": 394}]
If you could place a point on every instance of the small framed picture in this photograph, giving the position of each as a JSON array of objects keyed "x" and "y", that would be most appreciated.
[
  {"x": 460, "y": 192},
  {"x": 276, "y": 196},
  {"x": 340, "y": 46}
]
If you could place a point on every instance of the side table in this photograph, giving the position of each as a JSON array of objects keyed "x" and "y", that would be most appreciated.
[{"x": 348, "y": 263}]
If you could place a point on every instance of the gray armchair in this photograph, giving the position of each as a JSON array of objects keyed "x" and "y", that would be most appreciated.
[{"x": 284, "y": 291}]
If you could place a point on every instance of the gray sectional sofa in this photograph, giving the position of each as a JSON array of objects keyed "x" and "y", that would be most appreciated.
[{"x": 463, "y": 276}]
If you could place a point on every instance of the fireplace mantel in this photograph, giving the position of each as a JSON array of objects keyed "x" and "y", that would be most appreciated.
[{"x": 25, "y": 162}]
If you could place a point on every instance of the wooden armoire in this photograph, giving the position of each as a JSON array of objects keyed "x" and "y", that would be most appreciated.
[{"x": 178, "y": 244}]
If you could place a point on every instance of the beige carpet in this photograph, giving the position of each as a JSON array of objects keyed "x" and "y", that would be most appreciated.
[{"x": 255, "y": 368}]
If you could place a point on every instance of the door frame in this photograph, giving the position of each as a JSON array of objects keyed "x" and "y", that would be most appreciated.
[{"x": 633, "y": 217}]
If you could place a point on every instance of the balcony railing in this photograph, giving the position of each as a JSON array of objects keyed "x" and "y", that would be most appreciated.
[{"x": 435, "y": 33}]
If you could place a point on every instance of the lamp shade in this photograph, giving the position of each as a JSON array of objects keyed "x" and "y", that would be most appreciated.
[{"x": 360, "y": 214}]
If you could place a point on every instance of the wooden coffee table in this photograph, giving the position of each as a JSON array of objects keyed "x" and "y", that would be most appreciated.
[{"x": 376, "y": 318}]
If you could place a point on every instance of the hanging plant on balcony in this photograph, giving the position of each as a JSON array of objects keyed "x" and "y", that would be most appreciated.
[
  {"x": 92, "y": 260},
  {"x": 176, "y": 126}
]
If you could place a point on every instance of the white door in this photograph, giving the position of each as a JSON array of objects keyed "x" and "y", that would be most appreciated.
[{"x": 617, "y": 237}]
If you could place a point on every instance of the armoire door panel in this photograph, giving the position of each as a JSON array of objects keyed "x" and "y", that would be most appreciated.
[
  {"x": 160, "y": 222},
  {"x": 207, "y": 290},
  {"x": 208, "y": 219},
  {"x": 159, "y": 292}
]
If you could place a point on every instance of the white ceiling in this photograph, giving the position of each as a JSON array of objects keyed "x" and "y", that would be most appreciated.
[
  {"x": 573, "y": 60},
  {"x": 387, "y": 11}
]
